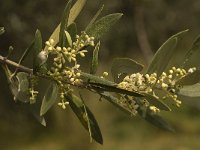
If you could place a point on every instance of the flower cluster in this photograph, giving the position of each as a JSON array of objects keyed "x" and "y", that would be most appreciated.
[
  {"x": 65, "y": 69},
  {"x": 154, "y": 85},
  {"x": 33, "y": 93}
]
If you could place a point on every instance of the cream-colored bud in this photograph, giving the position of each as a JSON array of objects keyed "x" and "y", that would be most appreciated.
[
  {"x": 47, "y": 43},
  {"x": 77, "y": 81},
  {"x": 58, "y": 48},
  {"x": 92, "y": 38},
  {"x": 73, "y": 55},
  {"x": 60, "y": 104},
  {"x": 60, "y": 66},
  {"x": 63, "y": 106},
  {"x": 105, "y": 74},
  {"x": 147, "y": 76},
  {"x": 164, "y": 85},
  {"x": 92, "y": 43},
  {"x": 72, "y": 80},
  {"x": 66, "y": 103},
  {"x": 164, "y": 74},
  {"x": 73, "y": 51},
  {"x": 61, "y": 96},
  {"x": 171, "y": 71},
  {"x": 51, "y": 41},
  {"x": 64, "y": 49},
  {"x": 81, "y": 45},
  {"x": 174, "y": 68},
  {"x": 178, "y": 70},
  {"x": 50, "y": 48},
  {"x": 77, "y": 66},
  {"x": 175, "y": 96},
  {"x": 77, "y": 36},
  {"x": 74, "y": 59},
  {"x": 170, "y": 76},
  {"x": 82, "y": 54},
  {"x": 78, "y": 74}
]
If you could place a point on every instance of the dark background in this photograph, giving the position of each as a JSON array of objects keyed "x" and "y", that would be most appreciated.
[{"x": 143, "y": 28}]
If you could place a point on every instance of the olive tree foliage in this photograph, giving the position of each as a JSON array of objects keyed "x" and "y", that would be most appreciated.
[{"x": 134, "y": 89}]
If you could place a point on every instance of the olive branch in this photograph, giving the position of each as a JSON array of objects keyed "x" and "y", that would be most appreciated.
[{"x": 134, "y": 90}]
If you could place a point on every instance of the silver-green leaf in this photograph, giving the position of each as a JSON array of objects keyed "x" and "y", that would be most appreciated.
[
  {"x": 103, "y": 25},
  {"x": 49, "y": 98}
]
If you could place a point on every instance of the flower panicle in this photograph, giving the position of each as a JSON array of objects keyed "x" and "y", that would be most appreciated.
[
  {"x": 65, "y": 69},
  {"x": 153, "y": 84}
]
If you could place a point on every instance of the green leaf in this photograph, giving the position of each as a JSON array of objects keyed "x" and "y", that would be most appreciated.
[
  {"x": 156, "y": 102},
  {"x": 95, "y": 59},
  {"x": 123, "y": 66},
  {"x": 68, "y": 41},
  {"x": 37, "y": 49},
  {"x": 96, "y": 79},
  {"x": 95, "y": 17},
  {"x": 156, "y": 120},
  {"x": 49, "y": 98},
  {"x": 85, "y": 115},
  {"x": 189, "y": 79},
  {"x": 72, "y": 30},
  {"x": 2, "y": 30},
  {"x": 108, "y": 88},
  {"x": 26, "y": 52},
  {"x": 101, "y": 26},
  {"x": 164, "y": 54},
  {"x": 74, "y": 12},
  {"x": 19, "y": 86},
  {"x": 113, "y": 100},
  {"x": 190, "y": 90},
  {"x": 35, "y": 111},
  {"x": 194, "y": 49},
  {"x": 63, "y": 25}
]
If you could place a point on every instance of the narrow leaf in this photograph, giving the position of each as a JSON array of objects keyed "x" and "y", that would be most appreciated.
[
  {"x": 26, "y": 52},
  {"x": 95, "y": 17},
  {"x": 156, "y": 120},
  {"x": 194, "y": 49},
  {"x": 63, "y": 25},
  {"x": 37, "y": 49},
  {"x": 49, "y": 98},
  {"x": 113, "y": 100},
  {"x": 24, "y": 55},
  {"x": 19, "y": 86},
  {"x": 190, "y": 90},
  {"x": 79, "y": 108},
  {"x": 123, "y": 66},
  {"x": 74, "y": 12},
  {"x": 72, "y": 30},
  {"x": 108, "y": 88},
  {"x": 88, "y": 120},
  {"x": 101, "y": 26},
  {"x": 96, "y": 79},
  {"x": 68, "y": 39},
  {"x": 164, "y": 54},
  {"x": 156, "y": 102},
  {"x": 190, "y": 79},
  {"x": 35, "y": 111},
  {"x": 95, "y": 59}
]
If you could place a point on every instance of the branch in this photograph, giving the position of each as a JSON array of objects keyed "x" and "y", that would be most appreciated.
[{"x": 4, "y": 60}]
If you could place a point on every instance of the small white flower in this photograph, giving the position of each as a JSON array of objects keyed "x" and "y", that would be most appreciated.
[{"x": 105, "y": 74}]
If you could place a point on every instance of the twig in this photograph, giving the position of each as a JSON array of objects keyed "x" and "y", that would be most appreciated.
[{"x": 4, "y": 60}]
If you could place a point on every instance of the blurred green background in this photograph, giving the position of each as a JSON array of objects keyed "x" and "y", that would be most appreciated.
[{"x": 143, "y": 28}]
